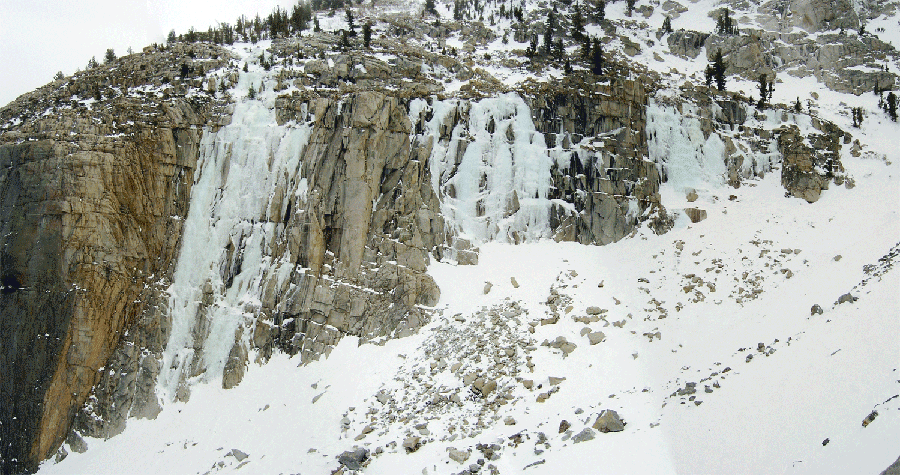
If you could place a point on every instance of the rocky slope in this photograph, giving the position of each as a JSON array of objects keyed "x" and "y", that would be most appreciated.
[{"x": 172, "y": 215}]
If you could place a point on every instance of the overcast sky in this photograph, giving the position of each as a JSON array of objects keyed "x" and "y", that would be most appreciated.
[{"x": 40, "y": 37}]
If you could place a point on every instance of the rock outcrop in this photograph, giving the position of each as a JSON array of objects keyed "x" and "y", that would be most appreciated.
[
  {"x": 92, "y": 192},
  {"x": 810, "y": 163}
]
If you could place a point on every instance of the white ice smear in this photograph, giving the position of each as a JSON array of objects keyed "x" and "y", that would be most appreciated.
[
  {"x": 676, "y": 144},
  {"x": 246, "y": 172},
  {"x": 493, "y": 175}
]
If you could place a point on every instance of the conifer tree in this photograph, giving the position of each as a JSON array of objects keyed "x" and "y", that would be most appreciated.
[
  {"x": 429, "y": 7},
  {"x": 709, "y": 76},
  {"x": 251, "y": 93},
  {"x": 110, "y": 56},
  {"x": 630, "y": 5},
  {"x": 59, "y": 75},
  {"x": 350, "y": 25},
  {"x": 577, "y": 24},
  {"x": 92, "y": 63},
  {"x": 719, "y": 68},
  {"x": 667, "y": 24},
  {"x": 586, "y": 48},
  {"x": 892, "y": 106},
  {"x": 763, "y": 90},
  {"x": 725, "y": 25},
  {"x": 857, "y": 114},
  {"x": 548, "y": 33},
  {"x": 367, "y": 34},
  {"x": 601, "y": 11},
  {"x": 532, "y": 47},
  {"x": 597, "y": 57},
  {"x": 567, "y": 67}
]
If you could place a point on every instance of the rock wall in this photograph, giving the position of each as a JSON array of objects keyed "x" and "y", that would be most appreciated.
[
  {"x": 602, "y": 178},
  {"x": 91, "y": 192}
]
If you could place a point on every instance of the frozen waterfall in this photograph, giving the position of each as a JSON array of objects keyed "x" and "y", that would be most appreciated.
[
  {"x": 245, "y": 173},
  {"x": 492, "y": 174}
]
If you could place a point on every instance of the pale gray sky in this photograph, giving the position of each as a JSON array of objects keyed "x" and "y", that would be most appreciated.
[{"x": 40, "y": 37}]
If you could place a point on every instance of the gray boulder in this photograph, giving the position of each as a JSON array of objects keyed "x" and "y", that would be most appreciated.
[{"x": 353, "y": 459}]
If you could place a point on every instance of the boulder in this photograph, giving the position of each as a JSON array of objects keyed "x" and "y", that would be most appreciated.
[
  {"x": 596, "y": 337},
  {"x": 411, "y": 444},
  {"x": 459, "y": 456},
  {"x": 583, "y": 436},
  {"x": 609, "y": 421},
  {"x": 354, "y": 459},
  {"x": 487, "y": 287},
  {"x": 695, "y": 214}
]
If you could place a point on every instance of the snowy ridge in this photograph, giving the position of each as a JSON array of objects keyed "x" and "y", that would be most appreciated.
[
  {"x": 492, "y": 173},
  {"x": 244, "y": 172}
]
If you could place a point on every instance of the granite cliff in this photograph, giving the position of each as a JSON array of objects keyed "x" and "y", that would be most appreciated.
[{"x": 171, "y": 215}]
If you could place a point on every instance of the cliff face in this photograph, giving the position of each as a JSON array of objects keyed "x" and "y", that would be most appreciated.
[
  {"x": 91, "y": 192},
  {"x": 162, "y": 228}
]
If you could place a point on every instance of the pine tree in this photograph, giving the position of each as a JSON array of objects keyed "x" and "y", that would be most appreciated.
[
  {"x": 857, "y": 114},
  {"x": 171, "y": 38},
  {"x": 59, "y": 75},
  {"x": 532, "y": 47},
  {"x": 429, "y": 7},
  {"x": 763, "y": 90},
  {"x": 719, "y": 68},
  {"x": 345, "y": 40},
  {"x": 367, "y": 34},
  {"x": 558, "y": 49},
  {"x": 92, "y": 63},
  {"x": 709, "y": 75},
  {"x": 667, "y": 24},
  {"x": 548, "y": 33},
  {"x": 567, "y": 67},
  {"x": 110, "y": 56},
  {"x": 725, "y": 25},
  {"x": 251, "y": 93},
  {"x": 601, "y": 11},
  {"x": 457, "y": 10},
  {"x": 245, "y": 67},
  {"x": 577, "y": 24},
  {"x": 630, "y": 5},
  {"x": 597, "y": 57},
  {"x": 892, "y": 106},
  {"x": 350, "y": 24},
  {"x": 586, "y": 48}
]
